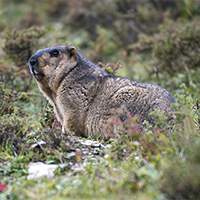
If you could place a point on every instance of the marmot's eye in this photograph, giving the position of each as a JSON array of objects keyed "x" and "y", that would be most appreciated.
[{"x": 55, "y": 53}]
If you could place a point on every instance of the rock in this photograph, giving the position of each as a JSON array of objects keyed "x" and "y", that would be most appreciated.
[{"x": 39, "y": 169}]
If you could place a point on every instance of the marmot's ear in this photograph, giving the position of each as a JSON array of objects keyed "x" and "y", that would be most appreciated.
[{"x": 72, "y": 52}]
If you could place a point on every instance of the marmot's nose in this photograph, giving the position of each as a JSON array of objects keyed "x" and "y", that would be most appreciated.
[{"x": 32, "y": 60}]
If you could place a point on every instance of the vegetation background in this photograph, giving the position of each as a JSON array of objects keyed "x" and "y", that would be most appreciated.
[{"x": 156, "y": 41}]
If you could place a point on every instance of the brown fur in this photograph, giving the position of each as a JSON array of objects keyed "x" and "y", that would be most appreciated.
[{"x": 87, "y": 99}]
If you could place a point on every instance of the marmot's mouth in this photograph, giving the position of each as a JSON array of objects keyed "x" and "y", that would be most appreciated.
[
  {"x": 39, "y": 77},
  {"x": 37, "y": 74},
  {"x": 33, "y": 71},
  {"x": 34, "y": 68}
]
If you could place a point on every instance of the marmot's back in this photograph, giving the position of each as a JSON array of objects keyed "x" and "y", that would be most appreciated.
[
  {"x": 87, "y": 99},
  {"x": 120, "y": 97}
]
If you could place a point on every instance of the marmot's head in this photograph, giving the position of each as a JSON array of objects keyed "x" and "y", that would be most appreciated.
[{"x": 48, "y": 62}]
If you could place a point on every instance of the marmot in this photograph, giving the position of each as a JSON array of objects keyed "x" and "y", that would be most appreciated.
[{"x": 86, "y": 99}]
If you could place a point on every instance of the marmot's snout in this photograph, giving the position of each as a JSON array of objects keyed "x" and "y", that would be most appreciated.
[
  {"x": 34, "y": 68},
  {"x": 33, "y": 60}
]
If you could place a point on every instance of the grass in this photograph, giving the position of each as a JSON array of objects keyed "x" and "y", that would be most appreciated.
[
  {"x": 139, "y": 167},
  {"x": 97, "y": 182}
]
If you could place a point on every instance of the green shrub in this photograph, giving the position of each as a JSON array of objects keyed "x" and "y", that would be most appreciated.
[
  {"x": 13, "y": 122},
  {"x": 18, "y": 47},
  {"x": 13, "y": 130},
  {"x": 19, "y": 44},
  {"x": 175, "y": 49},
  {"x": 48, "y": 119},
  {"x": 181, "y": 180},
  {"x": 9, "y": 100}
]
